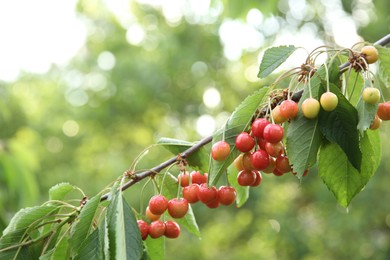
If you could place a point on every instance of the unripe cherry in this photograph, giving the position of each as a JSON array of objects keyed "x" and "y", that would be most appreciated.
[
  {"x": 289, "y": 109},
  {"x": 384, "y": 111},
  {"x": 277, "y": 116},
  {"x": 310, "y": 108},
  {"x": 329, "y": 101},
  {"x": 376, "y": 123},
  {"x": 370, "y": 53},
  {"x": 220, "y": 151}
]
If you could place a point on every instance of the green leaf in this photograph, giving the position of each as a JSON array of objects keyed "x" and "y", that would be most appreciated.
[
  {"x": 91, "y": 247},
  {"x": 242, "y": 191},
  {"x": 25, "y": 218},
  {"x": 169, "y": 190},
  {"x": 124, "y": 237},
  {"x": 59, "y": 191},
  {"x": 84, "y": 224},
  {"x": 273, "y": 58},
  {"x": 198, "y": 160},
  {"x": 366, "y": 113},
  {"x": 303, "y": 135},
  {"x": 155, "y": 248},
  {"x": 354, "y": 87},
  {"x": 340, "y": 126},
  {"x": 338, "y": 173},
  {"x": 334, "y": 71},
  {"x": 59, "y": 252},
  {"x": 238, "y": 122},
  {"x": 384, "y": 64}
]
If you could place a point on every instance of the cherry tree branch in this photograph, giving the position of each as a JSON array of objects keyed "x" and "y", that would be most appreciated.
[{"x": 134, "y": 178}]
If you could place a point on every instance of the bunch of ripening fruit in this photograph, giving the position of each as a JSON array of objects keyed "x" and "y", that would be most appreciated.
[{"x": 195, "y": 189}]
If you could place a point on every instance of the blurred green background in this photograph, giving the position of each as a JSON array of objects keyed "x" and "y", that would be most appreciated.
[{"x": 145, "y": 69}]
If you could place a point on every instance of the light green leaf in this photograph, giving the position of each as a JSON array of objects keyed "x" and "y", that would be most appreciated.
[
  {"x": 384, "y": 64},
  {"x": 59, "y": 191},
  {"x": 303, "y": 135},
  {"x": 340, "y": 126},
  {"x": 242, "y": 191},
  {"x": 124, "y": 237},
  {"x": 155, "y": 248},
  {"x": 84, "y": 224},
  {"x": 338, "y": 173},
  {"x": 354, "y": 87},
  {"x": 273, "y": 58},
  {"x": 24, "y": 218},
  {"x": 59, "y": 252},
  {"x": 198, "y": 160},
  {"x": 366, "y": 113},
  {"x": 238, "y": 122}
]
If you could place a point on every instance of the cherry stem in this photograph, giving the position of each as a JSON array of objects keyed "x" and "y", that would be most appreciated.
[{"x": 327, "y": 77}]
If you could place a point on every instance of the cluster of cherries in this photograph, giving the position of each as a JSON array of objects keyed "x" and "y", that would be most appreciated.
[
  {"x": 195, "y": 189},
  {"x": 261, "y": 148}
]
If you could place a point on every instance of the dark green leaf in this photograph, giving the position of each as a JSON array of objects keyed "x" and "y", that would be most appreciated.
[
  {"x": 238, "y": 122},
  {"x": 273, "y": 58},
  {"x": 169, "y": 190},
  {"x": 242, "y": 191},
  {"x": 340, "y": 126},
  {"x": 91, "y": 247},
  {"x": 303, "y": 135},
  {"x": 84, "y": 224},
  {"x": 198, "y": 160},
  {"x": 124, "y": 237},
  {"x": 338, "y": 173},
  {"x": 384, "y": 64}
]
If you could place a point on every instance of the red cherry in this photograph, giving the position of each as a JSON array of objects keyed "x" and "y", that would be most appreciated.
[
  {"x": 150, "y": 215},
  {"x": 227, "y": 195},
  {"x": 261, "y": 143},
  {"x": 276, "y": 172},
  {"x": 172, "y": 229},
  {"x": 258, "y": 127},
  {"x": 271, "y": 165},
  {"x": 384, "y": 111},
  {"x": 213, "y": 204},
  {"x": 273, "y": 133},
  {"x": 144, "y": 228},
  {"x": 207, "y": 194},
  {"x": 260, "y": 159},
  {"x": 282, "y": 164},
  {"x": 177, "y": 208},
  {"x": 257, "y": 179},
  {"x": 184, "y": 179},
  {"x": 190, "y": 193},
  {"x": 198, "y": 178},
  {"x": 304, "y": 173},
  {"x": 220, "y": 151},
  {"x": 244, "y": 142},
  {"x": 289, "y": 109},
  {"x": 274, "y": 149},
  {"x": 158, "y": 204},
  {"x": 156, "y": 229},
  {"x": 246, "y": 178}
]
